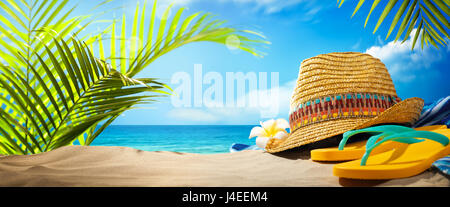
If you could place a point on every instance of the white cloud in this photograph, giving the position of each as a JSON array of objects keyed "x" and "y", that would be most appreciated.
[
  {"x": 356, "y": 46},
  {"x": 175, "y": 2},
  {"x": 268, "y": 6},
  {"x": 309, "y": 10},
  {"x": 313, "y": 11},
  {"x": 380, "y": 40},
  {"x": 273, "y": 6},
  {"x": 403, "y": 63},
  {"x": 196, "y": 115},
  {"x": 269, "y": 106}
]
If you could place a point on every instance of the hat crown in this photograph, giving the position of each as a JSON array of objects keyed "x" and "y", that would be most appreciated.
[{"x": 341, "y": 73}]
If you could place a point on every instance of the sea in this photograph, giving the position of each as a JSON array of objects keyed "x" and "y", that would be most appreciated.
[{"x": 202, "y": 139}]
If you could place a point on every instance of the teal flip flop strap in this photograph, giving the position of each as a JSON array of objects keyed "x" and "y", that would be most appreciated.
[
  {"x": 378, "y": 131},
  {"x": 408, "y": 137}
]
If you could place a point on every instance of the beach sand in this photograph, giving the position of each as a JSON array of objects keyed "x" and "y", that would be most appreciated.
[{"x": 123, "y": 166}]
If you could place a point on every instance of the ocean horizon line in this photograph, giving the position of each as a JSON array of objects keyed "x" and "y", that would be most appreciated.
[{"x": 203, "y": 139}]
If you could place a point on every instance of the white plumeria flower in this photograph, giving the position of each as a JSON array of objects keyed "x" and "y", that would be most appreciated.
[{"x": 268, "y": 130}]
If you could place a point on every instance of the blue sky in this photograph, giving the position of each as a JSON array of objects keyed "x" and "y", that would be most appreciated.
[{"x": 297, "y": 29}]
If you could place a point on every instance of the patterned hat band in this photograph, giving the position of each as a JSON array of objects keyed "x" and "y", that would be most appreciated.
[{"x": 340, "y": 106}]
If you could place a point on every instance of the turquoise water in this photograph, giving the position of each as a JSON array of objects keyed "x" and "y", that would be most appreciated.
[{"x": 203, "y": 139}]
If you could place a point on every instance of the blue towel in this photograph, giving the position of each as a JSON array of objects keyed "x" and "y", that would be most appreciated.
[
  {"x": 435, "y": 114},
  {"x": 235, "y": 147},
  {"x": 443, "y": 165}
]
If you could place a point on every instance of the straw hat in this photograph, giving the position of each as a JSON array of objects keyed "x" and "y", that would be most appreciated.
[{"x": 337, "y": 92}]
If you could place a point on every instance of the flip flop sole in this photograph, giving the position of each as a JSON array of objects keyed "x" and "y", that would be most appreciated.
[
  {"x": 356, "y": 150},
  {"x": 405, "y": 161}
]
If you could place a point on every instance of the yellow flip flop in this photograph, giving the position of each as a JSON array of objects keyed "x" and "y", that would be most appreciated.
[
  {"x": 410, "y": 159},
  {"x": 354, "y": 151}
]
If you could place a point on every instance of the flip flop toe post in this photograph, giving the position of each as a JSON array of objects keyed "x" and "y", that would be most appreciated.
[{"x": 355, "y": 150}]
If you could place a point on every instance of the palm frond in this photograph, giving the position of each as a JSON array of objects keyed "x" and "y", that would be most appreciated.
[
  {"x": 430, "y": 19},
  {"x": 23, "y": 27},
  {"x": 69, "y": 112},
  {"x": 143, "y": 47}
]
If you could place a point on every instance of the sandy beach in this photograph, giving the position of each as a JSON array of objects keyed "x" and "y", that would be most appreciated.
[{"x": 123, "y": 166}]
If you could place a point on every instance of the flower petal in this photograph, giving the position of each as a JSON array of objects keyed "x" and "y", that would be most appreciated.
[
  {"x": 262, "y": 142},
  {"x": 280, "y": 135},
  {"x": 268, "y": 124},
  {"x": 282, "y": 123},
  {"x": 269, "y": 127},
  {"x": 257, "y": 131}
]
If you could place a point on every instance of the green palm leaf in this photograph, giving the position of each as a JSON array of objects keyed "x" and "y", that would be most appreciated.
[
  {"x": 23, "y": 23},
  {"x": 432, "y": 14},
  {"x": 171, "y": 34},
  {"x": 104, "y": 97}
]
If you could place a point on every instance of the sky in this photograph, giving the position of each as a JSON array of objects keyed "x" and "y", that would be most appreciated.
[{"x": 297, "y": 30}]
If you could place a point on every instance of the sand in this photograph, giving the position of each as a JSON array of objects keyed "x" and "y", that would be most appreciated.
[{"x": 123, "y": 166}]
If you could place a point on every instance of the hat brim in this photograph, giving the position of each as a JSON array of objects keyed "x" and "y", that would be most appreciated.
[{"x": 404, "y": 112}]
